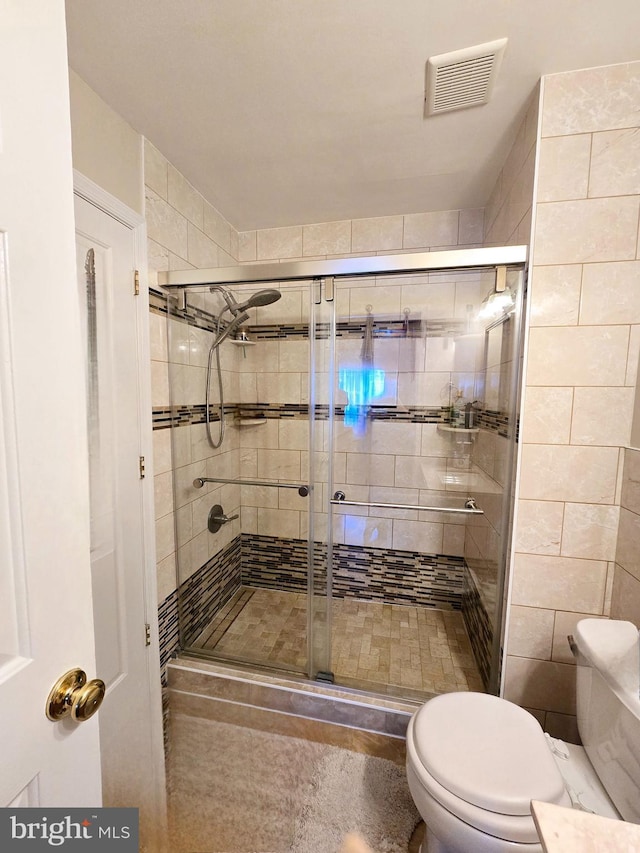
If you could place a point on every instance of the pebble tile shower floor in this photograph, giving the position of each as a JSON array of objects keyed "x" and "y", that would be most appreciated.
[{"x": 379, "y": 647}]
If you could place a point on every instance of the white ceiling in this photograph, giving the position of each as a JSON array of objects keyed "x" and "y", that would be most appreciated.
[{"x": 286, "y": 112}]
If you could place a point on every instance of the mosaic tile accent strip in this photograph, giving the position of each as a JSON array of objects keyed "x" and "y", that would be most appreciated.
[
  {"x": 169, "y": 645},
  {"x": 193, "y": 315},
  {"x": 382, "y": 328},
  {"x": 169, "y": 631},
  {"x": 157, "y": 301},
  {"x": 274, "y": 562},
  {"x": 200, "y": 597},
  {"x": 166, "y": 417},
  {"x": 398, "y": 577},
  {"x": 175, "y": 416},
  {"x": 208, "y": 589},
  {"x": 494, "y": 422},
  {"x": 478, "y": 624},
  {"x": 374, "y": 574},
  {"x": 405, "y": 414}
]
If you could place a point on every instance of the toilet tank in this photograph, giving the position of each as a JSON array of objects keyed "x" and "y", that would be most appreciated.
[{"x": 608, "y": 684}]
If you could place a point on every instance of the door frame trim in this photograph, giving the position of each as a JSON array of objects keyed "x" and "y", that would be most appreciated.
[
  {"x": 12, "y": 549},
  {"x": 95, "y": 195}
]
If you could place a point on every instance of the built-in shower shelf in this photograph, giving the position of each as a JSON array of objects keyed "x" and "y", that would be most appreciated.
[
  {"x": 251, "y": 421},
  {"x": 461, "y": 430}
]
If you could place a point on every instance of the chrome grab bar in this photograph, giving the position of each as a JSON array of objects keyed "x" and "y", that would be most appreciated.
[
  {"x": 468, "y": 508},
  {"x": 303, "y": 489}
]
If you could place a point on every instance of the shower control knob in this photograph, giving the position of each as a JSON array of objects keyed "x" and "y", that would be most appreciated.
[
  {"x": 339, "y": 496},
  {"x": 303, "y": 491},
  {"x": 217, "y": 518}
]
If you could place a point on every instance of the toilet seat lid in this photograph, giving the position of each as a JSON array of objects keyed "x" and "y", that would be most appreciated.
[{"x": 486, "y": 751}]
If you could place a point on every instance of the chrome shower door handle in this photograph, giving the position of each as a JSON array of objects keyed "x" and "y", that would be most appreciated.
[
  {"x": 303, "y": 488},
  {"x": 469, "y": 508}
]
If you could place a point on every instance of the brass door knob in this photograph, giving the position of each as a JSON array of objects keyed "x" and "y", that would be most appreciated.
[{"x": 72, "y": 695}]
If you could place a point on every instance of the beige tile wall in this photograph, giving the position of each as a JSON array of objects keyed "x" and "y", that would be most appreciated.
[
  {"x": 507, "y": 218},
  {"x": 185, "y": 231},
  {"x": 579, "y": 384},
  {"x": 381, "y": 235},
  {"x": 183, "y": 454}
]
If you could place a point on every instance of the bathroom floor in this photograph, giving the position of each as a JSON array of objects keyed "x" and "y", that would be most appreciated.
[
  {"x": 239, "y": 789},
  {"x": 390, "y": 648}
]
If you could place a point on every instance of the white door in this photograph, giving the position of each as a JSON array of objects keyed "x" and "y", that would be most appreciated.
[
  {"x": 130, "y": 717},
  {"x": 46, "y": 614}
]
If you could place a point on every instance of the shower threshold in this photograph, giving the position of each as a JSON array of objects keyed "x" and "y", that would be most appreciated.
[{"x": 290, "y": 706}]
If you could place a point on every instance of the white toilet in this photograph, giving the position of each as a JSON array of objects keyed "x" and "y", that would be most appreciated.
[{"x": 475, "y": 761}]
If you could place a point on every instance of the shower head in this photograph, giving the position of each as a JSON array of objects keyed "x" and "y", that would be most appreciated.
[{"x": 262, "y": 297}]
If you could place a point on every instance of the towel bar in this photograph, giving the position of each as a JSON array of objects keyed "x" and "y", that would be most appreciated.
[
  {"x": 303, "y": 489},
  {"x": 463, "y": 510}
]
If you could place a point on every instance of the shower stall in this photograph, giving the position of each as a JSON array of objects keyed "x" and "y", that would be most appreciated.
[{"x": 344, "y": 437}]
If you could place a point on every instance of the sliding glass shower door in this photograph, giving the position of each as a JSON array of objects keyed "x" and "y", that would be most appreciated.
[
  {"x": 421, "y": 442},
  {"x": 343, "y": 457}
]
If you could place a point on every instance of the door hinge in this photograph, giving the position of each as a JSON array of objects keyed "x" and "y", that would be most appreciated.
[
  {"x": 147, "y": 634},
  {"x": 141, "y": 467},
  {"x": 136, "y": 283}
]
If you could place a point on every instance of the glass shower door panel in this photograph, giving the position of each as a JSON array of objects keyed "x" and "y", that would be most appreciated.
[
  {"x": 408, "y": 369},
  {"x": 240, "y": 504},
  {"x": 274, "y": 382}
]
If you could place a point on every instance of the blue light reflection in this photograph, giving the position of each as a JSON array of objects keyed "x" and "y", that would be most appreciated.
[{"x": 361, "y": 385}]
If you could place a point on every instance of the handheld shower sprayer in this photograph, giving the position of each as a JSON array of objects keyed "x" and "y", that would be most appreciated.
[
  {"x": 261, "y": 297},
  {"x": 238, "y": 310}
]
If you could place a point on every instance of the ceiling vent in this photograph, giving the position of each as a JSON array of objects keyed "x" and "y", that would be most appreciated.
[{"x": 462, "y": 78}]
